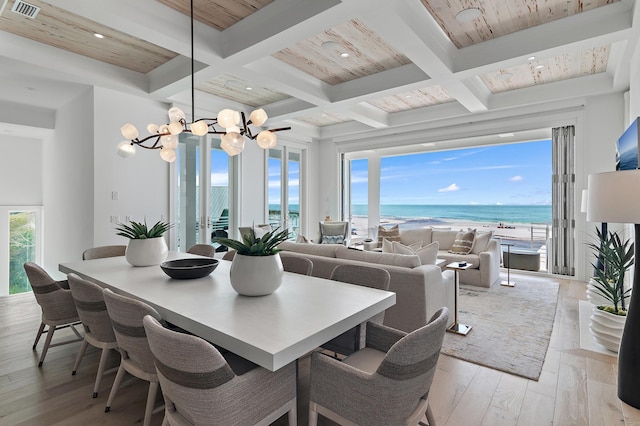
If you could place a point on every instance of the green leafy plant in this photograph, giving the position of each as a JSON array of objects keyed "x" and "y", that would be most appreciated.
[
  {"x": 251, "y": 245},
  {"x": 140, "y": 231},
  {"x": 616, "y": 257}
]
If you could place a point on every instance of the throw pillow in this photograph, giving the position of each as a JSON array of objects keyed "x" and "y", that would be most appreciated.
[
  {"x": 259, "y": 231},
  {"x": 405, "y": 249},
  {"x": 481, "y": 242},
  {"x": 387, "y": 246},
  {"x": 428, "y": 254},
  {"x": 332, "y": 239},
  {"x": 391, "y": 234},
  {"x": 463, "y": 242}
]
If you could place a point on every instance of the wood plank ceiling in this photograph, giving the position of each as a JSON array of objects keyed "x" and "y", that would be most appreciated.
[{"x": 346, "y": 51}]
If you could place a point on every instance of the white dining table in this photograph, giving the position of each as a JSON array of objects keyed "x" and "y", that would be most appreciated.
[{"x": 271, "y": 331}]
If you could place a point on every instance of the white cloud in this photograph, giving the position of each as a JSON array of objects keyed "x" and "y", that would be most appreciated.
[
  {"x": 516, "y": 179},
  {"x": 219, "y": 179},
  {"x": 450, "y": 188}
]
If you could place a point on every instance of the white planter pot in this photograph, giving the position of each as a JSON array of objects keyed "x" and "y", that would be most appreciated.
[
  {"x": 607, "y": 328},
  {"x": 146, "y": 252},
  {"x": 256, "y": 275},
  {"x": 594, "y": 296}
]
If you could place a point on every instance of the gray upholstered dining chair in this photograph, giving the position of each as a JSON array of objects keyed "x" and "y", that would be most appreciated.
[
  {"x": 334, "y": 232},
  {"x": 297, "y": 264},
  {"x": 202, "y": 387},
  {"x": 229, "y": 255},
  {"x": 103, "y": 251},
  {"x": 56, "y": 303},
  {"x": 98, "y": 331},
  {"x": 367, "y": 276},
  {"x": 126, "y": 316},
  {"x": 206, "y": 250},
  {"x": 385, "y": 383}
]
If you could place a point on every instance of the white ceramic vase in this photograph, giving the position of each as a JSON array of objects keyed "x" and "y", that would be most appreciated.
[
  {"x": 594, "y": 297},
  {"x": 146, "y": 252},
  {"x": 256, "y": 275},
  {"x": 607, "y": 328}
]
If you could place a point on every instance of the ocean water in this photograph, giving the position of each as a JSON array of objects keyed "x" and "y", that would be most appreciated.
[{"x": 476, "y": 213}]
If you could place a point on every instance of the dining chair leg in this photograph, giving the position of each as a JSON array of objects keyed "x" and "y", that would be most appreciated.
[
  {"x": 103, "y": 363},
  {"x": 151, "y": 401},
  {"x": 114, "y": 387},
  {"x": 313, "y": 414},
  {"x": 83, "y": 348},
  {"x": 47, "y": 341},
  {"x": 430, "y": 418},
  {"x": 40, "y": 330},
  {"x": 293, "y": 416}
]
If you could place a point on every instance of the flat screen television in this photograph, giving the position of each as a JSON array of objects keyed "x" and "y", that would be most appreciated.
[{"x": 627, "y": 148}]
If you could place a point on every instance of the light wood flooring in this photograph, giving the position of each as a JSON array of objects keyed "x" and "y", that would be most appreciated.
[{"x": 577, "y": 387}]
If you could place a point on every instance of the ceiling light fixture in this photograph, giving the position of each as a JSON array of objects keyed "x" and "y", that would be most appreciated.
[
  {"x": 165, "y": 137},
  {"x": 468, "y": 15},
  {"x": 98, "y": 35},
  {"x": 539, "y": 67},
  {"x": 531, "y": 58},
  {"x": 344, "y": 55}
]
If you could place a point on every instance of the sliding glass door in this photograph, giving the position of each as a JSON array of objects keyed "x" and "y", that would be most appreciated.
[
  {"x": 284, "y": 167},
  {"x": 20, "y": 242}
]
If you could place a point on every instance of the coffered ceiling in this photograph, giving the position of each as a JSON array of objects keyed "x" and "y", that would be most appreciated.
[{"x": 327, "y": 68}]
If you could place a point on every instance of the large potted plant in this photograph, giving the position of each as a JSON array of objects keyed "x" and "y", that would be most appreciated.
[
  {"x": 146, "y": 246},
  {"x": 256, "y": 269},
  {"x": 609, "y": 311}
]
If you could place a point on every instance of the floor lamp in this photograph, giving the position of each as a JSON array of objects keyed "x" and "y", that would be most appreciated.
[
  {"x": 603, "y": 228},
  {"x": 615, "y": 197}
]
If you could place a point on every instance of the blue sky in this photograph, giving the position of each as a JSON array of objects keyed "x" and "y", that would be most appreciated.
[{"x": 499, "y": 174}]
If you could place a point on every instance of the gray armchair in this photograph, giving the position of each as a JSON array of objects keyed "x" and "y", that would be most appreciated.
[
  {"x": 334, "y": 233},
  {"x": 385, "y": 383}
]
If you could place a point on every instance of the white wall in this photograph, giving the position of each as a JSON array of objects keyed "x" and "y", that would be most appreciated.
[
  {"x": 21, "y": 161},
  {"x": 68, "y": 184},
  {"x": 141, "y": 181}
]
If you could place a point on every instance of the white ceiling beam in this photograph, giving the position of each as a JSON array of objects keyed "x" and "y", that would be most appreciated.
[{"x": 367, "y": 114}]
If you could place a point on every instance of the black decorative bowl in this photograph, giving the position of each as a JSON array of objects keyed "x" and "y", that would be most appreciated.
[{"x": 186, "y": 269}]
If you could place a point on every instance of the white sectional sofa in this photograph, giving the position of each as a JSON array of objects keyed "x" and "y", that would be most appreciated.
[
  {"x": 420, "y": 289},
  {"x": 485, "y": 255}
]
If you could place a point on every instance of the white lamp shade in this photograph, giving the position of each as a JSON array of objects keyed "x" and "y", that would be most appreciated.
[
  {"x": 228, "y": 118},
  {"x": 232, "y": 143},
  {"x": 168, "y": 155},
  {"x": 584, "y": 202},
  {"x": 258, "y": 117},
  {"x": 199, "y": 128},
  {"x": 129, "y": 131},
  {"x": 175, "y": 128},
  {"x": 152, "y": 128},
  {"x": 169, "y": 141},
  {"x": 176, "y": 114},
  {"x": 233, "y": 129},
  {"x": 614, "y": 197},
  {"x": 266, "y": 139},
  {"x": 126, "y": 149}
]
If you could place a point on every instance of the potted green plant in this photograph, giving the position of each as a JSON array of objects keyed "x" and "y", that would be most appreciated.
[
  {"x": 147, "y": 245},
  {"x": 609, "y": 314},
  {"x": 256, "y": 269}
]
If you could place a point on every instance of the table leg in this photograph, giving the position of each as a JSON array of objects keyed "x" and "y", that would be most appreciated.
[{"x": 457, "y": 327}]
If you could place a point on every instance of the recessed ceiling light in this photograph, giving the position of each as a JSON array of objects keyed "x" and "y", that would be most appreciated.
[
  {"x": 407, "y": 96},
  {"x": 468, "y": 15},
  {"x": 249, "y": 88},
  {"x": 330, "y": 45},
  {"x": 506, "y": 135},
  {"x": 344, "y": 55},
  {"x": 98, "y": 35},
  {"x": 539, "y": 67},
  {"x": 531, "y": 58},
  {"x": 504, "y": 76}
]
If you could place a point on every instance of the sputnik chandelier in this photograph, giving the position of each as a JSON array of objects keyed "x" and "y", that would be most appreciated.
[{"x": 165, "y": 137}]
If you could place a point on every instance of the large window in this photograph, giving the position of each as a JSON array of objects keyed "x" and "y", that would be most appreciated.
[
  {"x": 359, "y": 199},
  {"x": 504, "y": 188},
  {"x": 20, "y": 242}
]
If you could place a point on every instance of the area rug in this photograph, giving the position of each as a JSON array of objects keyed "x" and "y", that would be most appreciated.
[{"x": 511, "y": 326}]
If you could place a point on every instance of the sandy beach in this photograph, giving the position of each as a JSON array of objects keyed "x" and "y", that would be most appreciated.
[{"x": 520, "y": 234}]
